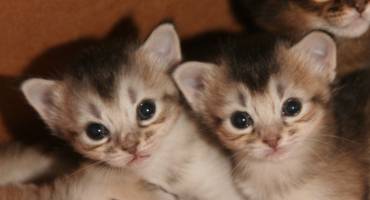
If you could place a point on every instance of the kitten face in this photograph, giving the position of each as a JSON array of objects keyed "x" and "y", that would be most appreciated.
[
  {"x": 342, "y": 18},
  {"x": 126, "y": 128},
  {"x": 114, "y": 111},
  {"x": 281, "y": 117}
]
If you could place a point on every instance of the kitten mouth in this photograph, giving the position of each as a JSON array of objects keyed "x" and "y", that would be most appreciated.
[
  {"x": 352, "y": 29},
  {"x": 138, "y": 158},
  {"x": 357, "y": 21},
  {"x": 276, "y": 153}
]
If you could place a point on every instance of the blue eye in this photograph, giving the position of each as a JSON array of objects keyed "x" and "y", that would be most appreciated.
[
  {"x": 291, "y": 107},
  {"x": 96, "y": 131},
  {"x": 241, "y": 120},
  {"x": 146, "y": 110}
]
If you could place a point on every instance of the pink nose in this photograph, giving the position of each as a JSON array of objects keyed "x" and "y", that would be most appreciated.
[
  {"x": 272, "y": 141},
  {"x": 131, "y": 148}
]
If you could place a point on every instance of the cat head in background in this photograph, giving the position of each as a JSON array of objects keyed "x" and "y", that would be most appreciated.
[
  {"x": 116, "y": 103},
  {"x": 267, "y": 107},
  {"x": 342, "y": 18}
]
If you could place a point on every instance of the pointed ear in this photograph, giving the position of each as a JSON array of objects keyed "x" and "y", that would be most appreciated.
[
  {"x": 41, "y": 94},
  {"x": 319, "y": 50},
  {"x": 191, "y": 78},
  {"x": 163, "y": 44}
]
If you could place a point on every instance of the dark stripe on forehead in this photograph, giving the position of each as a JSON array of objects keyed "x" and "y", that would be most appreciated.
[
  {"x": 280, "y": 89},
  {"x": 99, "y": 66},
  {"x": 242, "y": 99},
  {"x": 132, "y": 95},
  {"x": 252, "y": 62},
  {"x": 94, "y": 111}
]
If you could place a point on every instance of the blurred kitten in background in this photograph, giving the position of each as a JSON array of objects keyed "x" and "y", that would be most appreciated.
[{"x": 347, "y": 20}]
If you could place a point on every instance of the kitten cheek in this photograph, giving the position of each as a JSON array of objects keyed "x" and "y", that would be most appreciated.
[{"x": 233, "y": 142}]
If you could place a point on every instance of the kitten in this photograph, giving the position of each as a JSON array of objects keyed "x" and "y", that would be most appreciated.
[
  {"x": 122, "y": 108},
  {"x": 272, "y": 110},
  {"x": 18, "y": 164},
  {"x": 94, "y": 183},
  {"x": 348, "y": 21},
  {"x": 21, "y": 164}
]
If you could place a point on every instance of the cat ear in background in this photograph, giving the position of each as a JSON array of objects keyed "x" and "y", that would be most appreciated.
[
  {"x": 190, "y": 78},
  {"x": 319, "y": 50},
  {"x": 164, "y": 44},
  {"x": 40, "y": 94}
]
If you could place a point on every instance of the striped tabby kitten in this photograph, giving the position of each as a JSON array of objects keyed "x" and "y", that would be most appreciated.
[
  {"x": 122, "y": 108},
  {"x": 347, "y": 20},
  {"x": 273, "y": 112}
]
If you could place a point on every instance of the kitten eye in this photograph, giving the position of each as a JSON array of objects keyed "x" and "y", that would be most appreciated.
[
  {"x": 291, "y": 107},
  {"x": 96, "y": 131},
  {"x": 241, "y": 120},
  {"x": 146, "y": 110}
]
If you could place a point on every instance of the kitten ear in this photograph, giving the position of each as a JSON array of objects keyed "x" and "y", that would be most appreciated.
[
  {"x": 191, "y": 78},
  {"x": 164, "y": 44},
  {"x": 40, "y": 94},
  {"x": 320, "y": 51}
]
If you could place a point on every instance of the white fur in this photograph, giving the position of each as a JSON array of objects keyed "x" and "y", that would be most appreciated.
[{"x": 205, "y": 173}]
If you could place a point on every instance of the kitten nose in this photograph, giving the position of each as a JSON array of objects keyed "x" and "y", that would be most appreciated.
[
  {"x": 272, "y": 141},
  {"x": 132, "y": 149},
  {"x": 360, "y": 6},
  {"x": 130, "y": 143}
]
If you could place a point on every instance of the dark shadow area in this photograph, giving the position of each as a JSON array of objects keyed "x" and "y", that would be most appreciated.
[
  {"x": 251, "y": 14},
  {"x": 242, "y": 14},
  {"x": 20, "y": 119},
  {"x": 351, "y": 97},
  {"x": 206, "y": 46},
  {"x": 212, "y": 46}
]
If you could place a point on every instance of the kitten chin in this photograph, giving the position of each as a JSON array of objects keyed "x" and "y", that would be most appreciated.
[
  {"x": 348, "y": 21},
  {"x": 273, "y": 112}
]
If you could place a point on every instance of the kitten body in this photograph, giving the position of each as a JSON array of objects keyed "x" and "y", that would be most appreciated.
[
  {"x": 272, "y": 109},
  {"x": 122, "y": 108},
  {"x": 348, "y": 21},
  {"x": 93, "y": 183},
  {"x": 22, "y": 164}
]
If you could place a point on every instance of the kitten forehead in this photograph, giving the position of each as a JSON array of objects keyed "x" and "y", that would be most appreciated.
[
  {"x": 103, "y": 71},
  {"x": 100, "y": 67},
  {"x": 252, "y": 62}
]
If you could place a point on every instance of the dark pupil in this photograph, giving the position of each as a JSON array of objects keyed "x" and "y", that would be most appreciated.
[
  {"x": 97, "y": 131},
  {"x": 292, "y": 107},
  {"x": 146, "y": 110},
  {"x": 241, "y": 120}
]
